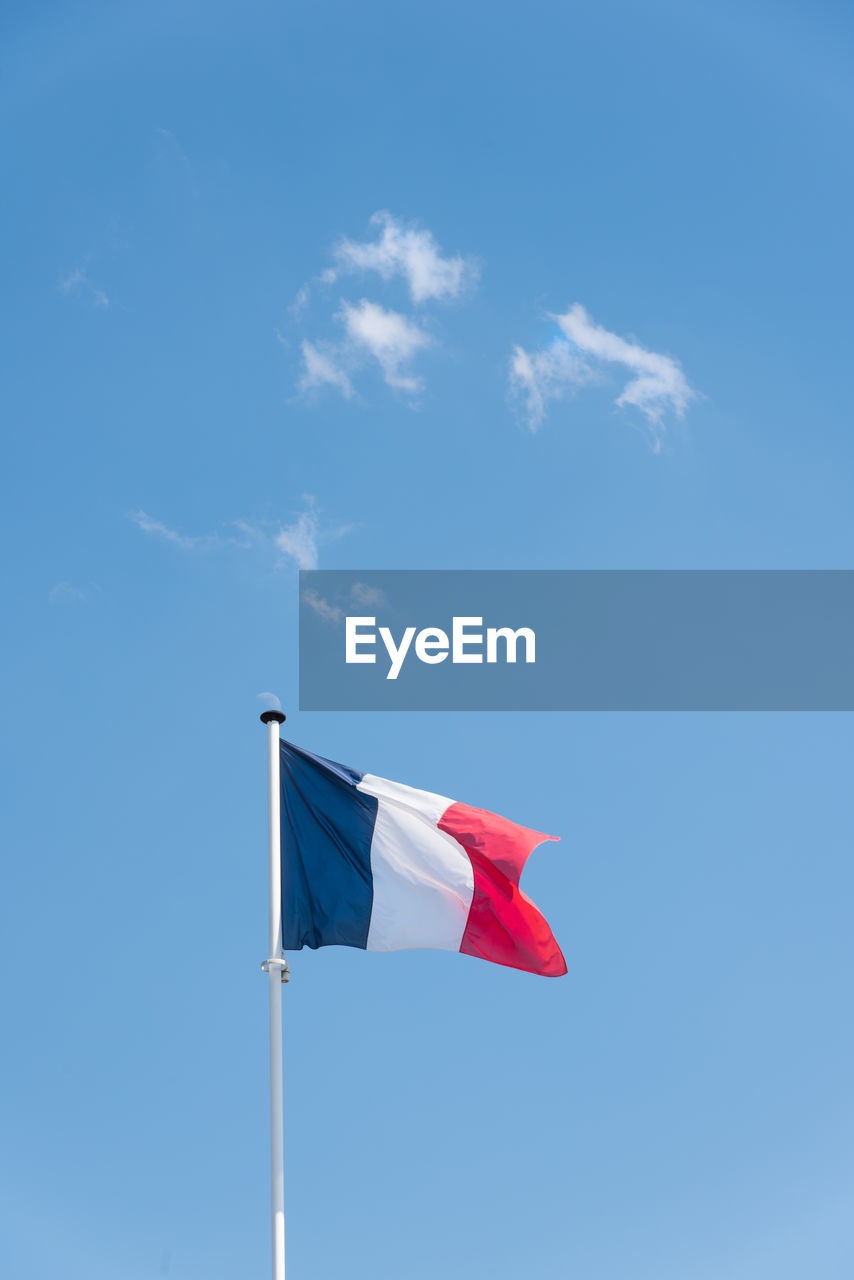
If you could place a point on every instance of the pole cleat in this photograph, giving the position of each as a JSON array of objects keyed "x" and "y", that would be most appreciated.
[{"x": 279, "y": 963}]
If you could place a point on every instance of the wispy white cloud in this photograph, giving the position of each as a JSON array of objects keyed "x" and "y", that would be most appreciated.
[
  {"x": 540, "y": 376},
  {"x": 73, "y": 280},
  {"x": 78, "y": 281},
  {"x": 301, "y": 301},
  {"x": 66, "y": 593},
  {"x": 158, "y": 529},
  {"x": 298, "y": 541},
  {"x": 301, "y": 540},
  {"x": 657, "y": 386},
  {"x": 323, "y": 366},
  {"x": 251, "y": 534},
  {"x": 199, "y": 541},
  {"x": 71, "y": 593},
  {"x": 409, "y": 251},
  {"x": 362, "y": 593},
  {"x": 373, "y": 332},
  {"x": 389, "y": 337},
  {"x": 321, "y": 606}
]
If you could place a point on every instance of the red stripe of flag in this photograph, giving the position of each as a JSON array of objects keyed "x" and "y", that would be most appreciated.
[{"x": 503, "y": 924}]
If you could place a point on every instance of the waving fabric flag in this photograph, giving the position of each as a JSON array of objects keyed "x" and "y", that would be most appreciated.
[{"x": 378, "y": 865}]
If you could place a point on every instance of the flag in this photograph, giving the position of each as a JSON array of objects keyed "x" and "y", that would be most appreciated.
[{"x": 382, "y": 866}]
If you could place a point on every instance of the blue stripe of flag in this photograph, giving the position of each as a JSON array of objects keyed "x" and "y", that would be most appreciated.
[{"x": 327, "y": 828}]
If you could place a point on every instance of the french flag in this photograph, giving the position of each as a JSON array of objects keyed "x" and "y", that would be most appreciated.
[{"x": 378, "y": 865}]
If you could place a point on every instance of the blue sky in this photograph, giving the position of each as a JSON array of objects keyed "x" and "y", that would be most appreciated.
[{"x": 679, "y": 1105}]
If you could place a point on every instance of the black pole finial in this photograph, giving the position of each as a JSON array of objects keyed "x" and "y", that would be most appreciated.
[{"x": 267, "y": 716}]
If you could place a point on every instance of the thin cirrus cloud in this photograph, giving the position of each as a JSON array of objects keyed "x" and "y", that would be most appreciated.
[
  {"x": 370, "y": 333},
  {"x": 410, "y": 252},
  {"x": 657, "y": 387},
  {"x": 71, "y": 593},
  {"x": 541, "y": 376},
  {"x": 297, "y": 542},
  {"x": 360, "y": 593},
  {"x": 323, "y": 365},
  {"x": 320, "y": 605},
  {"x": 388, "y": 337},
  {"x": 77, "y": 281},
  {"x": 158, "y": 529}
]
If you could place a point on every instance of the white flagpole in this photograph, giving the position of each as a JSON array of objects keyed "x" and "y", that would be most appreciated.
[{"x": 277, "y": 968}]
